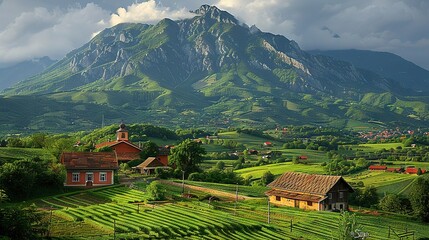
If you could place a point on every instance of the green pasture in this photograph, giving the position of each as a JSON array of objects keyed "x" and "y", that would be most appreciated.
[
  {"x": 376, "y": 146},
  {"x": 280, "y": 168},
  {"x": 385, "y": 182},
  {"x": 9, "y": 154},
  {"x": 313, "y": 156},
  {"x": 249, "y": 141}
]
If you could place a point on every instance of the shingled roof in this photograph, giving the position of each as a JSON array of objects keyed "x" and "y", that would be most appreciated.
[
  {"x": 150, "y": 163},
  {"x": 89, "y": 160},
  {"x": 113, "y": 143},
  {"x": 306, "y": 183}
]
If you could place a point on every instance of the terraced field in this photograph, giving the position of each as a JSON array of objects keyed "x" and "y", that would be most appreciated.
[{"x": 103, "y": 213}]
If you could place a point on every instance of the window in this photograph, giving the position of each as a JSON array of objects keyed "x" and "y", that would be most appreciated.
[
  {"x": 330, "y": 195},
  {"x": 341, "y": 194},
  {"x": 75, "y": 177},
  {"x": 309, "y": 203},
  {"x": 123, "y": 135},
  {"x": 278, "y": 198},
  {"x": 89, "y": 176},
  {"x": 103, "y": 177}
]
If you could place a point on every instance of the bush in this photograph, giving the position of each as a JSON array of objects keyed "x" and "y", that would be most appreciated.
[{"x": 155, "y": 191}]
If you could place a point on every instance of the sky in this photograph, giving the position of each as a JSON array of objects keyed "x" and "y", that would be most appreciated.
[{"x": 36, "y": 28}]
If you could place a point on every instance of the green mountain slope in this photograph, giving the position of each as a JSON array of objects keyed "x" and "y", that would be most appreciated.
[{"x": 208, "y": 71}]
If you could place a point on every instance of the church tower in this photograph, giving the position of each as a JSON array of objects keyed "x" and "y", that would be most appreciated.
[{"x": 122, "y": 133}]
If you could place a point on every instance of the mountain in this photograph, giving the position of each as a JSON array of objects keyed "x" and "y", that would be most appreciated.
[
  {"x": 212, "y": 71},
  {"x": 12, "y": 74},
  {"x": 388, "y": 65}
]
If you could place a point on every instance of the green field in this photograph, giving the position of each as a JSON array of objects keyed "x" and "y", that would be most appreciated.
[
  {"x": 280, "y": 168},
  {"x": 8, "y": 154},
  {"x": 385, "y": 182},
  {"x": 102, "y": 213},
  {"x": 376, "y": 146}
]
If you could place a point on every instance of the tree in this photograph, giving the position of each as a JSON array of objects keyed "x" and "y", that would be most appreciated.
[
  {"x": 364, "y": 198},
  {"x": 155, "y": 191},
  {"x": 348, "y": 227},
  {"x": 267, "y": 178},
  {"x": 391, "y": 203},
  {"x": 419, "y": 198},
  {"x": 3, "y": 196},
  {"x": 187, "y": 155},
  {"x": 149, "y": 149},
  {"x": 220, "y": 165},
  {"x": 20, "y": 223}
]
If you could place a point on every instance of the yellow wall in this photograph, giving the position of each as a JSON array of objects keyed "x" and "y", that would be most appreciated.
[{"x": 291, "y": 203}]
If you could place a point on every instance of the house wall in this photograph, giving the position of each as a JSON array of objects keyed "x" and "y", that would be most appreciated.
[
  {"x": 335, "y": 202},
  {"x": 163, "y": 159},
  {"x": 82, "y": 178},
  {"x": 291, "y": 203},
  {"x": 123, "y": 147}
]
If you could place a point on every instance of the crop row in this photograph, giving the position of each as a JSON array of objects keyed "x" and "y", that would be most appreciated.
[{"x": 172, "y": 221}]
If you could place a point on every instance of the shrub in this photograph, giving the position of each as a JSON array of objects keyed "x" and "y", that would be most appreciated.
[{"x": 155, "y": 191}]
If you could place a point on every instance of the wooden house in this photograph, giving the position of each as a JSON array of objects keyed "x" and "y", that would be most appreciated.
[
  {"x": 89, "y": 168},
  {"x": 149, "y": 165},
  {"x": 310, "y": 191},
  {"x": 124, "y": 149}
]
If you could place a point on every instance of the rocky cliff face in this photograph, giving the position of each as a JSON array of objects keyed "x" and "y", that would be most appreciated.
[{"x": 172, "y": 52}]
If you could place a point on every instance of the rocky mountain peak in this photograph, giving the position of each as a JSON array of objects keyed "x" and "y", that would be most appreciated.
[{"x": 212, "y": 12}]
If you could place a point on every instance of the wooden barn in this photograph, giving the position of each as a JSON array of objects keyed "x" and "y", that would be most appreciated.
[
  {"x": 310, "y": 191},
  {"x": 89, "y": 168},
  {"x": 124, "y": 149}
]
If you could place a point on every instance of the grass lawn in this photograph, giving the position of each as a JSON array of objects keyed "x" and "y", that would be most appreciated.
[{"x": 280, "y": 168}]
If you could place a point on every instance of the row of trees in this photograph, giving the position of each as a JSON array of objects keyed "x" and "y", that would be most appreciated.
[{"x": 24, "y": 178}]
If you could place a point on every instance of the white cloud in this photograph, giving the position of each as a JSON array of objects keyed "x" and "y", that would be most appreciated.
[
  {"x": 396, "y": 26},
  {"x": 43, "y": 32},
  {"x": 147, "y": 12}
]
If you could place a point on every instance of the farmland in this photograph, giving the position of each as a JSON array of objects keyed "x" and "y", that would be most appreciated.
[{"x": 120, "y": 211}]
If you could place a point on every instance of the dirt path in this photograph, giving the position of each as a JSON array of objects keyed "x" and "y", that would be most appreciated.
[{"x": 208, "y": 190}]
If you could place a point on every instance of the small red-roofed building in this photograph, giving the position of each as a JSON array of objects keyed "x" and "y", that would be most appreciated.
[
  {"x": 88, "y": 169},
  {"x": 393, "y": 169},
  {"x": 377, "y": 168},
  {"x": 413, "y": 170}
]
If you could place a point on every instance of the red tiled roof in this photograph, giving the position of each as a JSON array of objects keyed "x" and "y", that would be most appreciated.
[
  {"x": 150, "y": 163},
  {"x": 89, "y": 160},
  {"x": 413, "y": 170},
  {"x": 111, "y": 144},
  {"x": 306, "y": 183},
  {"x": 297, "y": 196},
  {"x": 393, "y": 169},
  {"x": 377, "y": 167}
]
